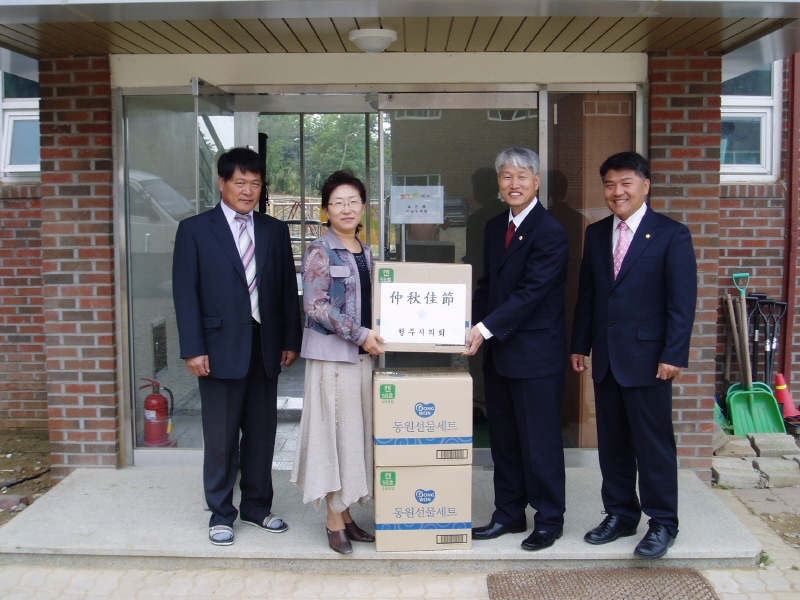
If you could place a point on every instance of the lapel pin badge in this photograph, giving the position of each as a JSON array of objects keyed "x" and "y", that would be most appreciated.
[
  {"x": 520, "y": 238},
  {"x": 647, "y": 236}
]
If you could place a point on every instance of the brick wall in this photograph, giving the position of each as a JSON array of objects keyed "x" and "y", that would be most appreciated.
[
  {"x": 78, "y": 262},
  {"x": 685, "y": 129},
  {"x": 23, "y": 395},
  {"x": 753, "y": 239},
  {"x": 752, "y": 224}
]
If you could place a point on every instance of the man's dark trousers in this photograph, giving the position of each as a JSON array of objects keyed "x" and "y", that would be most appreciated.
[
  {"x": 250, "y": 402},
  {"x": 622, "y": 428},
  {"x": 528, "y": 462}
]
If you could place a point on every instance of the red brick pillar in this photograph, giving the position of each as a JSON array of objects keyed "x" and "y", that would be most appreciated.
[
  {"x": 78, "y": 262},
  {"x": 685, "y": 125},
  {"x": 23, "y": 397}
]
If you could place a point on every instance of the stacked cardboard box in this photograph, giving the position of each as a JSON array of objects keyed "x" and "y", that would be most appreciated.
[
  {"x": 422, "y": 307},
  {"x": 422, "y": 417}
]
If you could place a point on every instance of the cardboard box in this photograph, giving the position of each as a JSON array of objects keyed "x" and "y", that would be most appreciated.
[
  {"x": 422, "y": 416},
  {"x": 423, "y": 508},
  {"x": 422, "y": 307}
]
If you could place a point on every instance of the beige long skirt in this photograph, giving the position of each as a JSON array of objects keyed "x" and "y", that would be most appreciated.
[{"x": 334, "y": 445}]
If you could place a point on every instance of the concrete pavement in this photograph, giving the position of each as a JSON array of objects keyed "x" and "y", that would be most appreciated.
[{"x": 57, "y": 575}]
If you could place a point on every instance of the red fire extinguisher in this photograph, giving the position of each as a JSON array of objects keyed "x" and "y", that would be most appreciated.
[{"x": 157, "y": 415}]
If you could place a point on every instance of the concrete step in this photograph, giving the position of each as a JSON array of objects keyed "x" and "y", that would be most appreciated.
[
  {"x": 289, "y": 409},
  {"x": 151, "y": 517}
]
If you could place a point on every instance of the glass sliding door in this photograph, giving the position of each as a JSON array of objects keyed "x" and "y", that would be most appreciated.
[
  {"x": 583, "y": 130},
  {"x": 302, "y": 151},
  {"x": 444, "y": 146},
  {"x": 173, "y": 143},
  {"x": 161, "y": 161}
]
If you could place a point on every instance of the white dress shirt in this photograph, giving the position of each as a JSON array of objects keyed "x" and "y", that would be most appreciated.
[
  {"x": 231, "y": 215},
  {"x": 632, "y": 222}
]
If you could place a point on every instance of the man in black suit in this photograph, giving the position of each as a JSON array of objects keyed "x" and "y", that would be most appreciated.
[
  {"x": 235, "y": 293},
  {"x": 518, "y": 309},
  {"x": 635, "y": 311}
]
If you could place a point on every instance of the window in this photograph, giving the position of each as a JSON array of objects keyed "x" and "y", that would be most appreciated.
[
  {"x": 432, "y": 179},
  {"x": 512, "y": 115},
  {"x": 751, "y": 125},
  {"x": 20, "y": 141},
  {"x": 418, "y": 114},
  {"x": 19, "y": 87},
  {"x": 19, "y": 128},
  {"x": 613, "y": 108}
]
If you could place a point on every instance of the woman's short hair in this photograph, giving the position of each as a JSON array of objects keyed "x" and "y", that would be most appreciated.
[
  {"x": 343, "y": 177},
  {"x": 520, "y": 158}
]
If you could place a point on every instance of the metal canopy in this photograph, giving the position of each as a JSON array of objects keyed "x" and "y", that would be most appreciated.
[{"x": 42, "y": 28}]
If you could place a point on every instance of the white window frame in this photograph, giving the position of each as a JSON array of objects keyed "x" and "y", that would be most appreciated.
[
  {"x": 769, "y": 109},
  {"x": 498, "y": 114},
  {"x": 417, "y": 114},
  {"x": 10, "y": 116},
  {"x": 12, "y": 109},
  {"x": 430, "y": 178}
]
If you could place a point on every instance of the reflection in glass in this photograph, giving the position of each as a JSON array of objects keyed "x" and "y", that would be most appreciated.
[
  {"x": 215, "y": 136},
  {"x": 16, "y": 87},
  {"x": 757, "y": 82},
  {"x": 24, "y": 142},
  {"x": 589, "y": 128},
  {"x": 741, "y": 140},
  {"x": 160, "y": 192},
  {"x": 330, "y": 142},
  {"x": 454, "y": 149}
]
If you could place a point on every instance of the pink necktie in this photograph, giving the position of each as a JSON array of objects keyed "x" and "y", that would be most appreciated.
[
  {"x": 247, "y": 250},
  {"x": 622, "y": 247}
]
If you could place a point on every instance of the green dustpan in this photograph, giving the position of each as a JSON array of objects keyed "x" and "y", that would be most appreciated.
[
  {"x": 755, "y": 411},
  {"x": 757, "y": 385}
]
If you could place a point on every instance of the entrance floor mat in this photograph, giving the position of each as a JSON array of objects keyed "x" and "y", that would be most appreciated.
[{"x": 601, "y": 584}]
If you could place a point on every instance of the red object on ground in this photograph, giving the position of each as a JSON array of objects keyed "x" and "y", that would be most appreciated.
[
  {"x": 784, "y": 397},
  {"x": 157, "y": 419}
]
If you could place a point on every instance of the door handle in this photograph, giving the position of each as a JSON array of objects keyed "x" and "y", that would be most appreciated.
[{"x": 147, "y": 242}]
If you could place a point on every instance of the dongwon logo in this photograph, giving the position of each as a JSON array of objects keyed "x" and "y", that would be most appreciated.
[
  {"x": 424, "y": 410},
  {"x": 425, "y": 496}
]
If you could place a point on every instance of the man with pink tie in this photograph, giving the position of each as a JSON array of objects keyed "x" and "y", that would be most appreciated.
[
  {"x": 635, "y": 311},
  {"x": 235, "y": 293}
]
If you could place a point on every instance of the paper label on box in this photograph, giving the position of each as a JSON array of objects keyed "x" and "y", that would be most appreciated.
[
  {"x": 387, "y": 393},
  {"x": 423, "y": 313},
  {"x": 388, "y": 479},
  {"x": 385, "y": 275}
]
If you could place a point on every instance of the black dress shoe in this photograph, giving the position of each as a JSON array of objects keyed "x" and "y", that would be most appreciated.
[
  {"x": 539, "y": 539},
  {"x": 494, "y": 530},
  {"x": 655, "y": 543},
  {"x": 338, "y": 541},
  {"x": 356, "y": 534},
  {"x": 613, "y": 527}
]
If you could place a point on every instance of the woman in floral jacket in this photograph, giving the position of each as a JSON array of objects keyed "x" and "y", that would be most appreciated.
[{"x": 334, "y": 447}]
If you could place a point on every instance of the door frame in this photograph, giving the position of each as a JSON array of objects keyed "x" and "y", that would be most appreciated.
[{"x": 317, "y": 99}]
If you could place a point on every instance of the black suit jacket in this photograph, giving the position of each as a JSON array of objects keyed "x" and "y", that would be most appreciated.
[
  {"x": 520, "y": 297},
  {"x": 212, "y": 303},
  {"x": 645, "y": 316}
]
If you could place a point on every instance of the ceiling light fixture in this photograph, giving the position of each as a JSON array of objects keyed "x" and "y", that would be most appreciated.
[{"x": 373, "y": 40}]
